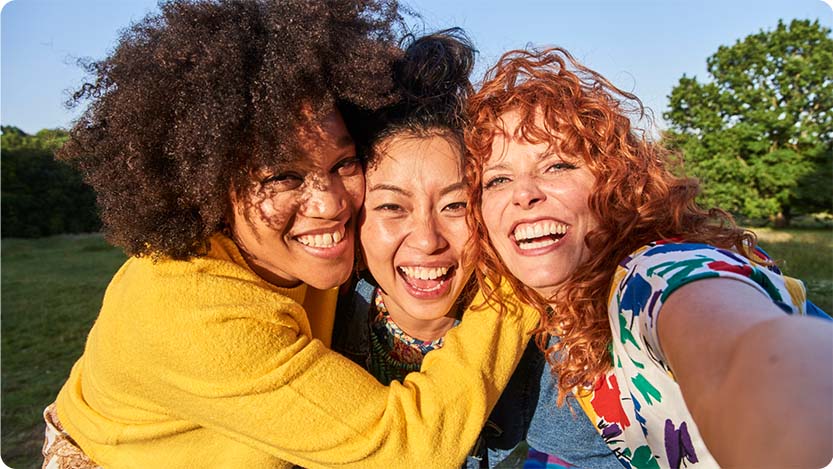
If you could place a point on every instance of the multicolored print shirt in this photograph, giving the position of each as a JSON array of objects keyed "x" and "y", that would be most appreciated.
[{"x": 638, "y": 407}]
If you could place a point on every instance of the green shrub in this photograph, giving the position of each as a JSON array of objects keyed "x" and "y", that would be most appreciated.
[{"x": 42, "y": 196}]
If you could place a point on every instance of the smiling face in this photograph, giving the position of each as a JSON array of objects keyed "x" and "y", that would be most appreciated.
[
  {"x": 296, "y": 222},
  {"x": 535, "y": 208},
  {"x": 413, "y": 231}
]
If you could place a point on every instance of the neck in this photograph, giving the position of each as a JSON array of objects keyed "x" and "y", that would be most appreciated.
[
  {"x": 548, "y": 293},
  {"x": 426, "y": 330},
  {"x": 266, "y": 274}
]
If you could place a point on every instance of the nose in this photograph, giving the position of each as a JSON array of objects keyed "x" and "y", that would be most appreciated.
[
  {"x": 325, "y": 198},
  {"x": 427, "y": 236},
  {"x": 526, "y": 193}
]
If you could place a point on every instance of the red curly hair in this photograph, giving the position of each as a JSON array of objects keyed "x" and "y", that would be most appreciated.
[{"x": 636, "y": 199}]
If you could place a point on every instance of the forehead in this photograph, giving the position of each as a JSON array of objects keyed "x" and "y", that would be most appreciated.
[
  {"x": 508, "y": 122},
  {"x": 326, "y": 131},
  {"x": 325, "y": 125},
  {"x": 509, "y": 138},
  {"x": 317, "y": 141},
  {"x": 412, "y": 160}
]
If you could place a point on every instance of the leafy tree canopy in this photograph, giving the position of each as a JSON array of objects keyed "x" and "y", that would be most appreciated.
[
  {"x": 41, "y": 196},
  {"x": 759, "y": 133}
]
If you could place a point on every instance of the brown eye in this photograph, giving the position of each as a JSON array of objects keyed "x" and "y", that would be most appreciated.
[
  {"x": 348, "y": 166},
  {"x": 455, "y": 208},
  {"x": 283, "y": 181},
  {"x": 389, "y": 207}
]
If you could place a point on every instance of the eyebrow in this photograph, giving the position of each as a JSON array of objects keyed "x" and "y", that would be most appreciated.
[
  {"x": 540, "y": 156},
  {"x": 390, "y": 187},
  {"x": 344, "y": 141},
  {"x": 499, "y": 166},
  {"x": 452, "y": 188}
]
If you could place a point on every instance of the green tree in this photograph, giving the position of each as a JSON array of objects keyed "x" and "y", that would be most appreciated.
[
  {"x": 759, "y": 133},
  {"x": 41, "y": 196}
]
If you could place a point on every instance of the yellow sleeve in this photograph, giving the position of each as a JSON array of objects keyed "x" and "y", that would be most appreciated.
[{"x": 235, "y": 360}]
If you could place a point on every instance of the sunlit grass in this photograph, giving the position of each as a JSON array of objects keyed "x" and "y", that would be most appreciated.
[
  {"x": 51, "y": 293},
  {"x": 806, "y": 254}
]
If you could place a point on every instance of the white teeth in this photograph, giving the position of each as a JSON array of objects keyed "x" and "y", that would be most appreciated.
[
  {"x": 325, "y": 240},
  {"x": 439, "y": 285},
  {"x": 527, "y": 245},
  {"x": 424, "y": 273},
  {"x": 536, "y": 230}
]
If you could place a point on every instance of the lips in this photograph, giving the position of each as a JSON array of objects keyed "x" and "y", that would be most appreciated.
[
  {"x": 329, "y": 243},
  {"x": 427, "y": 281},
  {"x": 532, "y": 237},
  {"x": 321, "y": 240}
]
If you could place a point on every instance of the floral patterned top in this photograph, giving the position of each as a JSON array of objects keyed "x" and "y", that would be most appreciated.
[
  {"x": 638, "y": 407},
  {"x": 394, "y": 353}
]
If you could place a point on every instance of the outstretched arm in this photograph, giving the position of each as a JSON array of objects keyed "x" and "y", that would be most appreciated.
[{"x": 758, "y": 383}]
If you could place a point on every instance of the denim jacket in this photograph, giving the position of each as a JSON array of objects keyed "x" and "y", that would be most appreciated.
[{"x": 525, "y": 411}]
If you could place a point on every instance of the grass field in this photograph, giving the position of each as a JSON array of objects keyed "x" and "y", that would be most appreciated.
[
  {"x": 804, "y": 254},
  {"x": 52, "y": 290},
  {"x": 51, "y": 294}
]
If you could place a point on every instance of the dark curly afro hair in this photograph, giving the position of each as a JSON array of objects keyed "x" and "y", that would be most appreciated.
[{"x": 196, "y": 97}]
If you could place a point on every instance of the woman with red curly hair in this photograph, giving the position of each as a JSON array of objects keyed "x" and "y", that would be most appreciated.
[{"x": 681, "y": 340}]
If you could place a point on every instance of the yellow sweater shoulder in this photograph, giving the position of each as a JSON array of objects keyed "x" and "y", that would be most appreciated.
[{"x": 204, "y": 361}]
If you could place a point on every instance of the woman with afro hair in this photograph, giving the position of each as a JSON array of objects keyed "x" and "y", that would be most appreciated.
[{"x": 216, "y": 139}]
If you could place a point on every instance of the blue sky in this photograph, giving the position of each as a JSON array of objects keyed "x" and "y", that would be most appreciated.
[{"x": 643, "y": 46}]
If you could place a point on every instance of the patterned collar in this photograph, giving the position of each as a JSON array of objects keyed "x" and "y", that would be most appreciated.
[
  {"x": 394, "y": 353},
  {"x": 399, "y": 340}
]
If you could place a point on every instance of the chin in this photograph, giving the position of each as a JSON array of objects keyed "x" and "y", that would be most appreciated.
[
  {"x": 330, "y": 281},
  {"x": 435, "y": 315},
  {"x": 544, "y": 286},
  {"x": 435, "y": 311}
]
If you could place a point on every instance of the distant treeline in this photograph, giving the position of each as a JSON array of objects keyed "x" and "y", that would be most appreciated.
[
  {"x": 758, "y": 133},
  {"x": 42, "y": 196}
]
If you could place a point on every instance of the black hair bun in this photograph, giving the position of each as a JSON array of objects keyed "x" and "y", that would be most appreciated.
[
  {"x": 431, "y": 80},
  {"x": 434, "y": 72}
]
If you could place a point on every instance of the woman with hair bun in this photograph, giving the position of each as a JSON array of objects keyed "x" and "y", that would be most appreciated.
[
  {"x": 416, "y": 282},
  {"x": 682, "y": 342},
  {"x": 216, "y": 139},
  {"x": 410, "y": 291}
]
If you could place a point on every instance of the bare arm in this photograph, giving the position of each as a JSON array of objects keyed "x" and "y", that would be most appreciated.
[{"x": 758, "y": 383}]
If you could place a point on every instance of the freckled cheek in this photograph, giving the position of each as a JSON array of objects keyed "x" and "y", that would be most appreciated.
[
  {"x": 491, "y": 216},
  {"x": 578, "y": 199},
  {"x": 496, "y": 226},
  {"x": 276, "y": 213},
  {"x": 354, "y": 186}
]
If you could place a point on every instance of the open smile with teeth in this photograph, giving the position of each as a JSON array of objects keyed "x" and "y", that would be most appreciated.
[
  {"x": 530, "y": 236},
  {"x": 426, "y": 279},
  {"x": 321, "y": 240}
]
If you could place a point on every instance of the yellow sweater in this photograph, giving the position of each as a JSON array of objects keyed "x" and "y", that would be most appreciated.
[{"x": 201, "y": 363}]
